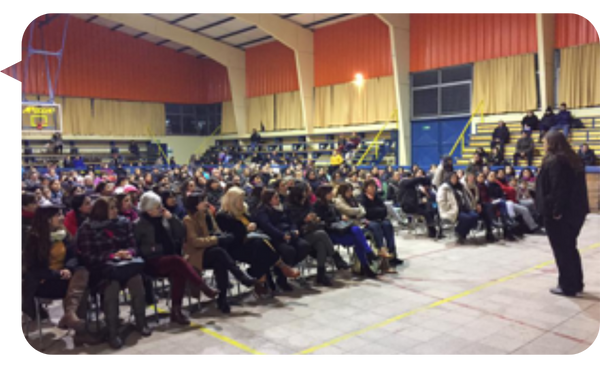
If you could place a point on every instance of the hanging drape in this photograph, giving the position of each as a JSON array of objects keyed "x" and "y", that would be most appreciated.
[
  {"x": 505, "y": 84},
  {"x": 260, "y": 109},
  {"x": 579, "y": 80},
  {"x": 228, "y": 119},
  {"x": 85, "y": 116},
  {"x": 288, "y": 111},
  {"x": 350, "y": 104}
]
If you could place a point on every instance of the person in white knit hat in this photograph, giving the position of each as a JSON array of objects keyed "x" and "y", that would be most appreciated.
[{"x": 155, "y": 239}]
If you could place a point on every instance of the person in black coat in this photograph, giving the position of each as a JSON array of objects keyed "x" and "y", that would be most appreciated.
[
  {"x": 501, "y": 136},
  {"x": 410, "y": 204},
  {"x": 547, "y": 122},
  {"x": 562, "y": 201},
  {"x": 530, "y": 123},
  {"x": 271, "y": 218},
  {"x": 254, "y": 140},
  {"x": 378, "y": 224},
  {"x": 587, "y": 155},
  {"x": 525, "y": 149}
]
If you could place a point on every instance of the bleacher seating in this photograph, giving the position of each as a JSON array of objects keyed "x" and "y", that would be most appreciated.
[
  {"x": 94, "y": 152},
  {"x": 316, "y": 147},
  {"x": 483, "y": 137}
]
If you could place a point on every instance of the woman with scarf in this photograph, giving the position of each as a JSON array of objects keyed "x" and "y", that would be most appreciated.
[
  {"x": 455, "y": 205},
  {"x": 301, "y": 213},
  {"x": 485, "y": 213},
  {"x": 154, "y": 235},
  {"x": 206, "y": 247},
  {"x": 102, "y": 239},
  {"x": 352, "y": 236},
  {"x": 126, "y": 208},
  {"x": 171, "y": 203},
  {"x": 272, "y": 219},
  {"x": 51, "y": 270}
]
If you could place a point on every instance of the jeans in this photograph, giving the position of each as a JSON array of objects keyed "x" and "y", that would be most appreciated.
[
  {"x": 356, "y": 238},
  {"x": 515, "y": 209},
  {"x": 467, "y": 221},
  {"x": 565, "y": 129},
  {"x": 383, "y": 229}
]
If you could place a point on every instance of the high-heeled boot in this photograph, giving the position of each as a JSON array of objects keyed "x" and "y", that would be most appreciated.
[
  {"x": 73, "y": 299},
  {"x": 177, "y": 316},
  {"x": 242, "y": 276}
]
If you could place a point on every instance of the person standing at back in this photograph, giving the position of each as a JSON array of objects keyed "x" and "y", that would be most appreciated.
[
  {"x": 254, "y": 140},
  {"x": 562, "y": 201}
]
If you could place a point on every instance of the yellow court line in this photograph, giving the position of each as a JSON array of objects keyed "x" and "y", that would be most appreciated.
[
  {"x": 218, "y": 336},
  {"x": 435, "y": 304}
]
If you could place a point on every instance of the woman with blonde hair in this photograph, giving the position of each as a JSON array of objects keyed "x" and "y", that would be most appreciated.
[{"x": 248, "y": 246}]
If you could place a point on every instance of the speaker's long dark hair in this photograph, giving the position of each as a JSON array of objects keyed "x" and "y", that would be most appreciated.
[
  {"x": 37, "y": 249},
  {"x": 558, "y": 147}
]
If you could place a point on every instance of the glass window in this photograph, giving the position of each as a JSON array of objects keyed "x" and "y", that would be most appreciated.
[
  {"x": 425, "y": 102},
  {"x": 175, "y": 123},
  {"x": 425, "y": 78},
  {"x": 172, "y": 109},
  {"x": 456, "y": 99},
  {"x": 457, "y": 74}
]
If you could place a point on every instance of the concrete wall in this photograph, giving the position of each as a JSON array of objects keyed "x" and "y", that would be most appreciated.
[{"x": 184, "y": 147}]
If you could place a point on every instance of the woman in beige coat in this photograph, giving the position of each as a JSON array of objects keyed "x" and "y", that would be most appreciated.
[
  {"x": 203, "y": 250},
  {"x": 455, "y": 206}
]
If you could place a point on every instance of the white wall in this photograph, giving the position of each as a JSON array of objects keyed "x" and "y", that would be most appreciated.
[{"x": 184, "y": 147}]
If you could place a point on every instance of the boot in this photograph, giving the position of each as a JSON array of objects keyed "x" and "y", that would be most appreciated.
[
  {"x": 223, "y": 305},
  {"x": 365, "y": 270},
  {"x": 340, "y": 264},
  {"x": 287, "y": 271},
  {"x": 383, "y": 253},
  {"x": 71, "y": 302},
  {"x": 322, "y": 278},
  {"x": 195, "y": 290},
  {"x": 86, "y": 338},
  {"x": 371, "y": 257},
  {"x": 242, "y": 276},
  {"x": 177, "y": 316},
  {"x": 111, "y": 315},
  {"x": 283, "y": 284},
  {"x": 138, "y": 304},
  {"x": 396, "y": 261},
  {"x": 489, "y": 237}
]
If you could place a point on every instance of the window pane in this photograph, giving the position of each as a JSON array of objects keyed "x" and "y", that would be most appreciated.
[
  {"x": 189, "y": 125},
  {"x": 425, "y": 102},
  {"x": 172, "y": 109},
  {"x": 175, "y": 123},
  {"x": 188, "y": 109},
  {"x": 457, "y": 74},
  {"x": 425, "y": 78},
  {"x": 456, "y": 99}
]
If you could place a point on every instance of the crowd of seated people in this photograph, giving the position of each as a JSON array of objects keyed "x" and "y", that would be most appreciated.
[{"x": 120, "y": 230}]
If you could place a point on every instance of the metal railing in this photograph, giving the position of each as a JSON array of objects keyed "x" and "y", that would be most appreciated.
[
  {"x": 375, "y": 141},
  {"x": 157, "y": 142},
  {"x": 461, "y": 138}
]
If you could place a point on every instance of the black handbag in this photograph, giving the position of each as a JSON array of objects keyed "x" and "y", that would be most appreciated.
[
  {"x": 123, "y": 269},
  {"x": 341, "y": 227},
  {"x": 312, "y": 227}
]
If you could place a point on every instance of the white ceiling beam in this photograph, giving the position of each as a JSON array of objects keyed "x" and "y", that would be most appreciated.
[
  {"x": 300, "y": 40},
  {"x": 399, "y": 26},
  {"x": 230, "y": 57}
]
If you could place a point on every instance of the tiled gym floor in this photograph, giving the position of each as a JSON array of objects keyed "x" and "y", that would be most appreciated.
[{"x": 446, "y": 299}]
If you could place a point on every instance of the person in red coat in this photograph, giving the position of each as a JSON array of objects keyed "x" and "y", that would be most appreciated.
[{"x": 82, "y": 205}]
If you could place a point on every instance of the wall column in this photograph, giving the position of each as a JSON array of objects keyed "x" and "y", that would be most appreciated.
[
  {"x": 399, "y": 25},
  {"x": 545, "y": 37}
]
